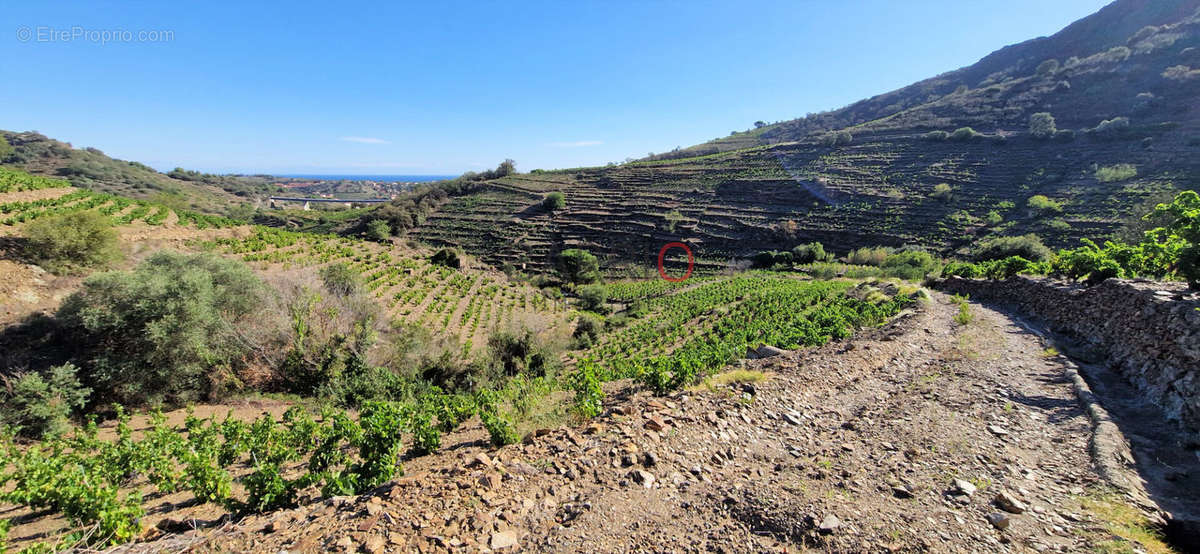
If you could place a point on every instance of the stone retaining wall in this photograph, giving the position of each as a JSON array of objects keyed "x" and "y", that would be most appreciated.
[{"x": 1149, "y": 331}]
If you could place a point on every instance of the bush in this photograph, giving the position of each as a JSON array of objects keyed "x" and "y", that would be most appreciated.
[
  {"x": 1043, "y": 204},
  {"x": 587, "y": 329},
  {"x": 1113, "y": 173},
  {"x": 1028, "y": 246},
  {"x": 579, "y": 266},
  {"x": 593, "y": 298},
  {"x": 912, "y": 265},
  {"x": 1184, "y": 229},
  {"x": 448, "y": 257},
  {"x": 772, "y": 258},
  {"x": 1048, "y": 67},
  {"x": 378, "y": 229},
  {"x": 868, "y": 255},
  {"x": 340, "y": 279},
  {"x": 519, "y": 353},
  {"x": 993, "y": 218},
  {"x": 80, "y": 239},
  {"x": 673, "y": 218},
  {"x": 160, "y": 332},
  {"x": 1112, "y": 128},
  {"x": 837, "y": 138},
  {"x": 942, "y": 191},
  {"x": 937, "y": 135},
  {"x": 809, "y": 253},
  {"x": 1042, "y": 126},
  {"x": 554, "y": 201},
  {"x": 38, "y": 406},
  {"x": 964, "y": 134}
]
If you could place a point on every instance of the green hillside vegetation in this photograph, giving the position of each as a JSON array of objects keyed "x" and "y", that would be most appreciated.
[
  {"x": 1019, "y": 145},
  {"x": 90, "y": 168}
]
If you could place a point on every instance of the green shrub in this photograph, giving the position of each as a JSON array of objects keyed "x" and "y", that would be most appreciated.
[
  {"x": 868, "y": 255},
  {"x": 593, "y": 298},
  {"x": 340, "y": 279},
  {"x": 578, "y": 266},
  {"x": 937, "y": 135},
  {"x": 554, "y": 201},
  {"x": 589, "y": 397},
  {"x": 38, "y": 406},
  {"x": 1184, "y": 230},
  {"x": 447, "y": 257},
  {"x": 942, "y": 191},
  {"x": 1112, "y": 128},
  {"x": 993, "y": 218},
  {"x": 912, "y": 265},
  {"x": 1043, "y": 204},
  {"x": 1048, "y": 67},
  {"x": 1028, "y": 246},
  {"x": 809, "y": 253},
  {"x": 161, "y": 331},
  {"x": 964, "y": 315},
  {"x": 80, "y": 239},
  {"x": 673, "y": 218},
  {"x": 587, "y": 329},
  {"x": 964, "y": 134},
  {"x": 1042, "y": 126},
  {"x": 378, "y": 229},
  {"x": 963, "y": 269},
  {"x": 837, "y": 138},
  {"x": 1113, "y": 173}
]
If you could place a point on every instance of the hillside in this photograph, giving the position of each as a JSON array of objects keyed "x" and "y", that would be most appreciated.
[
  {"x": 1120, "y": 87},
  {"x": 91, "y": 169}
]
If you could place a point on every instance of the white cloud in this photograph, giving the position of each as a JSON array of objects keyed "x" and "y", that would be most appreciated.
[
  {"x": 575, "y": 144},
  {"x": 364, "y": 140}
]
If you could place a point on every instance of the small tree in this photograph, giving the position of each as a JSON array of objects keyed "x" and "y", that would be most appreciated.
[
  {"x": 1041, "y": 125},
  {"x": 1043, "y": 204},
  {"x": 80, "y": 239},
  {"x": 554, "y": 201},
  {"x": 579, "y": 266}
]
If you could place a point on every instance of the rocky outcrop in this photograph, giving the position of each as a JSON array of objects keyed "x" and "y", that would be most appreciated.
[{"x": 1150, "y": 332}]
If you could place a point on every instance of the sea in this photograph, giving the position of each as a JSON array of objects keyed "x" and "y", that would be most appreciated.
[{"x": 376, "y": 178}]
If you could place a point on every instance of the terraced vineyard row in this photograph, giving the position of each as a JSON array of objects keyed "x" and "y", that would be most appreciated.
[
  {"x": 123, "y": 211},
  {"x": 702, "y": 329},
  {"x": 12, "y": 180},
  {"x": 462, "y": 304}
]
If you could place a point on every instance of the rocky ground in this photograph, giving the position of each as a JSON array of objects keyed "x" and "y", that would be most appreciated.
[{"x": 924, "y": 435}]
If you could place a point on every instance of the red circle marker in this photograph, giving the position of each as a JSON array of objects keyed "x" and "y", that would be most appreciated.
[{"x": 663, "y": 252}]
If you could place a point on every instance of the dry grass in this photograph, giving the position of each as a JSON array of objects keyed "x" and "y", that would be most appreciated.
[
  {"x": 729, "y": 378},
  {"x": 1128, "y": 529}
]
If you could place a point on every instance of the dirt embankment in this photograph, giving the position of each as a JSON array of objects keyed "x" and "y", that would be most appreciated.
[{"x": 925, "y": 435}]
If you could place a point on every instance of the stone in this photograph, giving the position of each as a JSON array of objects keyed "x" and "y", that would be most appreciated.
[
  {"x": 901, "y": 492},
  {"x": 373, "y": 545},
  {"x": 829, "y": 524},
  {"x": 1009, "y": 503},
  {"x": 649, "y": 459},
  {"x": 999, "y": 520},
  {"x": 502, "y": 540},
  {"x": 791, "y": 419},
  {"x": 480, "y": 459},
  {"x": 643, "y": 478},
  {"x": 964, "y": 487},
  {"x": 997, "y": 430},
  {"x": 655, "y": 424}
]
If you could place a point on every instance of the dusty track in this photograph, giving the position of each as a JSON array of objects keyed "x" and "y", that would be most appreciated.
[{"x": 852, "y": 447}]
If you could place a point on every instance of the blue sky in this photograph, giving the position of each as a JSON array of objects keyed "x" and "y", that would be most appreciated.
[{"x": 446, "y": 87}]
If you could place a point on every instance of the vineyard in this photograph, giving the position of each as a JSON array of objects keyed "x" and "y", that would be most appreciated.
[
  {"x": 99, "y": 485},
  {"x": 700, "y": 329},
  {"x": 462, "y": 304},
  {"x": 122, "y": 210}
]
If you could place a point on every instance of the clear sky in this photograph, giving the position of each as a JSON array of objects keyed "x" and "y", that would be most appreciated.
[{"x": 445, "y": 87}]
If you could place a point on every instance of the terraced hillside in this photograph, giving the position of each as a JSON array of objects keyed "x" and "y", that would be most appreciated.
[{"x": 958, "y": 162}]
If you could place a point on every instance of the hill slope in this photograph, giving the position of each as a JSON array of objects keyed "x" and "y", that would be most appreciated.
[
  {"x": 870, "y": 173},
  {"x": 90, "y": 168}
]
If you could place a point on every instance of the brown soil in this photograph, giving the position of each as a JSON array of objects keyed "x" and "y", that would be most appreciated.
[{"x": 851, "y": 447}]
